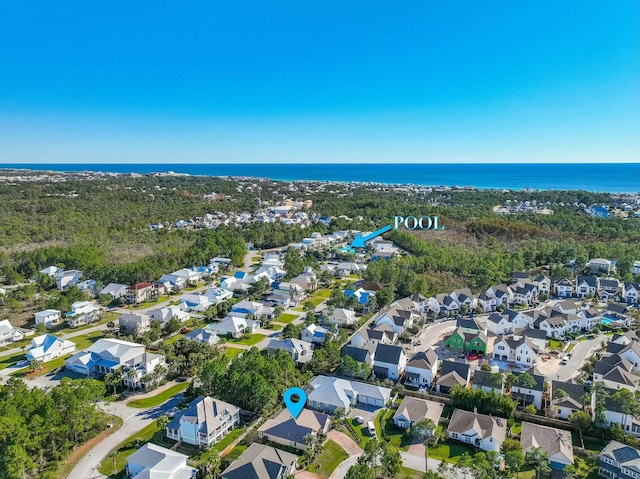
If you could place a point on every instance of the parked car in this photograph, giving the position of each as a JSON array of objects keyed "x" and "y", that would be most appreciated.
[
  {"x": 371, "y": 428},
  {"x": 564, "y": 360},
  {"x": 359, "y": 419},
  {"x": 418, "y": 342},
  {"x": 22, "y": 362},
  {"x": 473, "y": 357}
]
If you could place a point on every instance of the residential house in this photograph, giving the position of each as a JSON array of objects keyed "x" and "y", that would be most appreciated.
[
  {"x": 10, "y": 334},
  {"x": 115, "y": 290},
  {"x": 48, "y": 317},
  {"x": 586, "y": 286},
  {"x": 445, "y": 305},
  {"x": 608, "y": 289},
  {"x": 197, "y": 303},
  {"x": 529, "y": 394},
  {"x": 260, "y": 461},
  {"x": 601, "y": 265},
  {"x": 315, "y": 334},
  {"x": 615, "y": 372},
  {"x": 156, "y": 462},
  {"x": 413, "y": 410},
  {"x": 498, "y": 324},
  {"x": 525, "y": 294},
  {"x": 330, "y": 393},
  {"x": 300, "y": 351},
  {"x": 555, "y": 442},
  {"x": 630, "y": 292},
  {"x": 486, "y": 303},
  {"x": 635, "y": 269},
  {"x": 134, "y": 324},
  {"x": 464, "y": 297},
  {"x": 613, "y": 414},
  {"x": 568, "y": 398},
  {"x": 203, "y": 335},
  {"x": 234, "y": 326},
  {"x": 397, "y": 319},
  {"x": 502, "y": 293},
  {"x": 50, "y": 271},
  {"x": 340, "y": 316},
  {"x": 488, "y": 381},
  {"x": 139, "y": 293},
  {"x": 563, "y": 288},
  {"x": 543, "y": 283},
  {"x": 519, "y": 276},
  {"x": 619, "y": 461},
  {"x": 107, "y": 355},
  {"x": 389, "y": 362},
  {"x": 167, "y": 313},
  {"x": 66, "y": 279},
  {"x": 288, "y": 431},
  {"x": 479, "y": 430},
  {"x": 520, "y": 350},
  {"x": 218, "y": 295},
  {"x": 205, "y": 422},
  {"x": 82, "y": 312},
  {"x": 421, "y": 370},
  {"x": 172, "y": 283},
  {"x": 359, "y": 355},
  {"x": 307, "y": 280},
  {"x": 48, "y": 347},
  {"x": 452, "y": 374},
  {"x": 467, "y": 340}
]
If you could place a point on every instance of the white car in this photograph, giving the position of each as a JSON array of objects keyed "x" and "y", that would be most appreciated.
[
  {"x": 564, "y": 360},
  {"x": 359, "y": 419}
]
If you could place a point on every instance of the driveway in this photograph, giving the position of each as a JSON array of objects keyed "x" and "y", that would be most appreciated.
[
  {"x": 369, "y": 413},
  {"x": 345, "y": 442},
  {"x": 582, "y": 351}
]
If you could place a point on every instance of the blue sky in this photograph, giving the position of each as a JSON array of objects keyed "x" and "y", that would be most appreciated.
[{"x": 326, "y": 81}]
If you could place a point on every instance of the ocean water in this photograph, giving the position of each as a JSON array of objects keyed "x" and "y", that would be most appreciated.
[{"x": 606, "y": 177}]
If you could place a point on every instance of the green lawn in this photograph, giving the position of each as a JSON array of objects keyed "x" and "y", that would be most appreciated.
[
  {"x": 395, "y": 435},
  {"x": 591, "y": 444},
  {"x": 46, "y": 367},
  {"x": 571, "y": 346},
  {"x": 7, "y": 361},
  {"x": 330, "y": 457},
  {"x": 160, "y": 397},
  {"x": 555, "y": 344},
  {"x": 449, "y": 451},
  {"x": 299, "y": 308},
  {"x": 411, "y": 473},
  {"x": 361, "y": 432},
  {"x": 286, "y": 318},
  {"x": 125, "y": 449},
  {"x": 316, "y": 300},
  {"x": 83, "y": 342},
  {"x": 248, "y": 340},
  {"x": 17, "y": 344},
  {"x": 322, "y": 293},
  {"x": 173, "y": 339},
  {"x": 231, "y": 353}
]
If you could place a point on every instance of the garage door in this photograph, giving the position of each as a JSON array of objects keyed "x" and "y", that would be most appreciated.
[{"x": 371, "y": 400}]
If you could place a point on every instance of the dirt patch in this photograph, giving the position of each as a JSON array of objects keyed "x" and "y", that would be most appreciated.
[
  {"x": 417, "y": 449},
  {"x": 307, "y": 475}
]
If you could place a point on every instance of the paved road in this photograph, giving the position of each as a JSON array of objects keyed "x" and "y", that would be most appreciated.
[
  {"x": 582, "y": 351},
  {"x": 134, "y": 421}
]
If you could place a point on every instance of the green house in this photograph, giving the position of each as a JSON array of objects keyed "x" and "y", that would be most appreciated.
[{"x": 467, "y": 340}]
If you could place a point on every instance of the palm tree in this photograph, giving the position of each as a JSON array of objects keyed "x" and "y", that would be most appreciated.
[
  {"x": 132, "y": 376},
  {"x": 211, "y": 468}
]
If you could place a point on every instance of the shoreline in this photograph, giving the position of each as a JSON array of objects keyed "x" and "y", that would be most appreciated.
[{"x": 99, "y": 170}]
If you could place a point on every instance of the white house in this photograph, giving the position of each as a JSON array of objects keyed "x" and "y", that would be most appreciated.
[
  {"x": 204, "y": 423},
  {"x": 203, "y": 335},
  {"x": 330, "y": 393},
  {"x": 568, "y": 398},
  {"x": 487, "y": 303},
  {"x": 234, "y": 326},
  {"x": 630, "y": 292},
  {"x": 315, "y": 334},
  {"x": 563, "y": 288},
  {"x": 529, "y": 394},
  {"x": 339, "y": 316},
  {"x": 300, "y": 351},
  {"x": 48, "y": 347},
  {"x": 421, "y": 370},
  {"x": 134, "y": 323},
  {"x": 82, "y": 312},
  {"x": 167, "y": 313},
  {"x": 107, "y": 355},
  {"x": 195, "y": 302},
  {"x": 389, "y": 362},
  {"x": 543, "y": 283},
  {"x": 499, "y": 324},
  {"x": 413, "y": 410},
  {"x": 479, "y": 430},
  {"x": 48, "y": 317},
  {"x": 503, "y": 294},
  {"x": 10, "y": 334},
  {"x": 520, "y": 350},
  {"x": 586, "y": 286},
  {"x": 115, "y": 290},
  {"x": 153, "y": 461},
  {"x": 218, "y": 295},
  {"x": 397, "y": 319}
]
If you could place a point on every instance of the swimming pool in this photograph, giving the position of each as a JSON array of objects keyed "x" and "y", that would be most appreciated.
[{"x": 607, "y": 320}]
